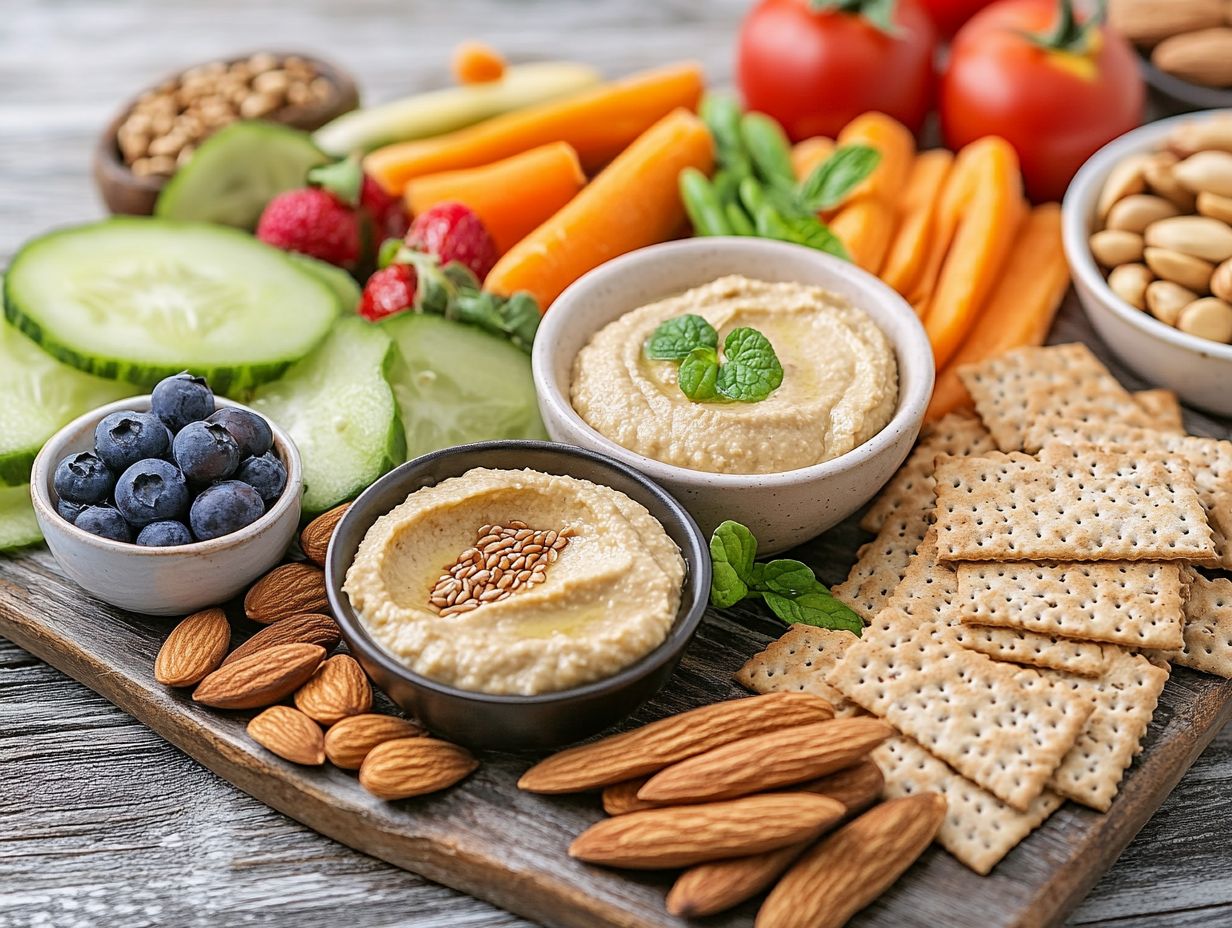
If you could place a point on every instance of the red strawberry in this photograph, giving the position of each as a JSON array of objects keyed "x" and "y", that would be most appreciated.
[
  {"x": 388, "y": 291},
  {"x": 389, "y": 217},
  {"x": 313, "y": 222},
  {"x": 453, "y": 232}
]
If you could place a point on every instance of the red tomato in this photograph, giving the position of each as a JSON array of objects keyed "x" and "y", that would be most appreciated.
[
  {"x": 948, "y": 15},
  {"x": 1055, "y": 107},
  {"x": 816, "y": 70}
]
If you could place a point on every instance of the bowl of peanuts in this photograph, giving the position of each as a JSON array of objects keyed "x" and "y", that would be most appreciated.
[
  {"x": 156, "y": 133},
  {"x": 1148, "y": 234}
]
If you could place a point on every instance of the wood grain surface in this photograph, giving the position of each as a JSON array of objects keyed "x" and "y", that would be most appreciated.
[{"x": 104, "y": 823}]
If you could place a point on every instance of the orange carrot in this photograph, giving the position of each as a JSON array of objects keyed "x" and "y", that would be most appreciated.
[
  {"x": 599, "y": 123},
  {"x": 982, "y": 242},
  {"x": 1019, "y": 311},
  {"x": 897, "y": 147},
  {"x": 633, "y": 202},
  {"x": 960, "y": 185},
  {"x": 916, "y": 209},
  {"x": 807, "y": 154},
  {"x": 865, "y": 227},
  {"x": 512, "y": 196},
  {"x": 477, "y": 63}
]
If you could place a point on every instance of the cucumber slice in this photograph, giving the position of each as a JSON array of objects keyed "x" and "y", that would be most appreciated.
[
  {"x": 141, "y": 299},
  {"x": 458, "y": 384},
  {"x": 40, "y": 395},
  {"x": 18, "y": 527},
  {"x": 338, "y": 407},
  {"x": 236, "y": 171},
  {"x": 345, "y": 289}
]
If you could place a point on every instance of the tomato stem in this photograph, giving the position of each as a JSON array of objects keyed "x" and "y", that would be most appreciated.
[
  {"x": 879, "y": 13},
  {"x": 1068, "y": 34}
]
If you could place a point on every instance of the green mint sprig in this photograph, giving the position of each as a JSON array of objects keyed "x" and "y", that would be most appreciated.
[{"x": 749, "y": 372}]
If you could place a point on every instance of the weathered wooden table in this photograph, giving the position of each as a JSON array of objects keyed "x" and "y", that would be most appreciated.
[{"x": 103, "y": 823}]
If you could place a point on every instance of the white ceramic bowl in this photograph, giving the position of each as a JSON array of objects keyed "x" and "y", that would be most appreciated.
[
  {"x": 1199, "y": 370},
  {"x": 782, "y": 509},
  {"x": 162, "y": 581}
]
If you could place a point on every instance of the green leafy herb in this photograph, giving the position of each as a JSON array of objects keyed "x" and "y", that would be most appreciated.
[
  {"x": 732, "y": 549},
  {"x": 341, "y": 178},
  {"x": 837, "y": 176},
  {"x": 803, "y": 230},
  {"x": 818, "y": 608},
  {"x": 751, "y": 371},
  {"x": 699, "y": 374},
  {"x": 675, "y": 338}
]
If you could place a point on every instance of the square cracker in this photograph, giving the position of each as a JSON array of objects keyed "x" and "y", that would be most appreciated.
[
  {"x": 1208, "y": 628},
  {"x": 1138, "y": 604},
  {"x": 1125, "y": 698},
  {"x": 1003, "y": 727},
  {"x": 1163, "y": 408},
  {"x": 798, "y": 663},
  {"x": 1062, "y": 380},
  {"x": 979, "y": 829},
  {"x": 880, "y": 564},
  {"x": 1099, "y": 506}
]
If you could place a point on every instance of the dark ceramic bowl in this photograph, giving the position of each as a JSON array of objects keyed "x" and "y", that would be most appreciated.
[
  {"x": 517, "y": 723},
  {"x": 1172, "y": 95}
]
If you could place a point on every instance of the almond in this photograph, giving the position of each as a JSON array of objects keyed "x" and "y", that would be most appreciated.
[
  {"x": 667, "y": 741},
  {"x": 1145, "y": 22},
  {"x": 307, "y": 627},
  {"x": 286, "y": 591},
  {"x": 314, "y": 539},
  {"x": 348, "y": 742},
  {"x": 854, "y": 866},
  {"x": 408, "y": 767},
  {"x": 621, "y": 798},
  {"x": 260, "y": 679},
  {"x": 778, "y": 758},
  {"x": 681, "y": 836},
  {"x": 1201, "y": 57},
  {"x": 721, "y": 884},
  {"x": 194, "y": 649},
  {"x": 290, "y": 734},
  {"x": 338, "y": 688}
]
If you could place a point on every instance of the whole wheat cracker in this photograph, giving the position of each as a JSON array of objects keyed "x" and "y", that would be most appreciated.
[
  {"x": 1163, "y": 409},
  {"x": 1005, "y": 728},
  {"x": 1085, "y": 658},
  {"x": 798, "y": 663},
  {"x": 979, "y": 829},
  {"x": 880, "y": 564},
  {"x": 1137, "y": 604},
  {"x": 1208, "y": 627}
]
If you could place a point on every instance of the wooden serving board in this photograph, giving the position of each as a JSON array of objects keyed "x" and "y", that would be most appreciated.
[{"x": 486, "y": 838}]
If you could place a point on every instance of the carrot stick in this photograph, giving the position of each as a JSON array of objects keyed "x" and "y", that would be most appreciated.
[
  {"x": 599, "y": 123},
  {"x": 511, "y": 196},
  {"x": 897, "y": 147},
  {"x": 477, "y": 63},
  {"x": 633, "y": 202},
  {"x": 865, "y": 227},
  {"x": 909, "y": 248},
  {"x": 807, "y": 154},
  {"x": 1019, "y": 311},
  {"x": 980, "y": 246},
  {"x": 960, "y": 186}
]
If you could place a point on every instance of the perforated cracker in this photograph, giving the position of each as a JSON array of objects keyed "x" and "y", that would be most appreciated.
[
  {"x": 1060, "y": 381},
  {"x": 1031, "y": 649},
  {"x": 798, "y": 663},
  {"x": 979, "y": 829},
  {"x": 1163, "y": 409},
  {"x": 881, "y": 563},
  {"x": 1208, "y": 628},
  {"x": 1101, "y": 507},
  {"x": 1125, "y": 698},
  {"x": 1003, "y": 727},
  {"x": 1136, "y": 604}
]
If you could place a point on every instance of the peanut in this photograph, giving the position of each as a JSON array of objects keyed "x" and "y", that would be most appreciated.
[
  {"x": 1206, "y": 172},
  {"x": 1157, "y": 169},
  {"x": 1182, "y": 269},
  {"x": 1165, "y": 300},
  {"x": 1207, "y": 318},
  {"x": 1113, "y": 247},
  {"x": 1136, "y": 212},
  {"x": 1125, "y": 179},
  {"x": 1199, "y": 236},
  {"x": 1129, "y": 282},
  {"x": 1221, "y": 281}
]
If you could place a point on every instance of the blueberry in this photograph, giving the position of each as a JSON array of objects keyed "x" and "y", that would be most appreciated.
[
  {"x": 224, "y": 508},
  {"x": 105, "y": 522},
  {"x": 266, "y": 475},
  {"x": 69, "y": 511},
  {"x": 83, "y": 478},
  {"x": 206, "y": 452},
  {"x": 124, "y": 438},
  {"x": 151, "y": 491},
  {"x": 181, "y": 399},
  {"x": 164, "y": 535},
  {"x": 251, "y": 432}
]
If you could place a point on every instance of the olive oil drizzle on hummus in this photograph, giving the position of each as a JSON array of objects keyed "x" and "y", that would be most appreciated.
[{"x": 503, "y": 560}]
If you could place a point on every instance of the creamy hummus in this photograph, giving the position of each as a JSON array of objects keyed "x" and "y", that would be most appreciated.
[
  {"x": 609, "y": 598},
  {"x": 840, "y": 381}
]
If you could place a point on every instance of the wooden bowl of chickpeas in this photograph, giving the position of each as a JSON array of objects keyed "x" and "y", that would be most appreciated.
[{"x": 156, "y": 133}]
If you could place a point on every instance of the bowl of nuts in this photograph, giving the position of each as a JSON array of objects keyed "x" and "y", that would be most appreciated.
[
  {"x": 1148, "y": 234},
  {"x": 157, "y": 133}
]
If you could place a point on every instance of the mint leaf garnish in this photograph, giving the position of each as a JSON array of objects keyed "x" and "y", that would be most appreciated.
[
  {"x": 817, "y": 608},
  {"x": 675, "y": 338},
  {"x": 751, "y": 370},
  {"x": 732, "y": 549},
  {"x": 698, "y": 374},
  {"x": 838, "y": 175}
]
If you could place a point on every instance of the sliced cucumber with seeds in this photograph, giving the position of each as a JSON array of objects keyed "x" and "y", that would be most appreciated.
[
  {"x": 39, "y": 396},
  {"x": 458, "y": 384},
  {"x": 141, "y": 299},
  {"x": 339, "y": 409},
  {"x": 18, "y": 527},
  {"x": 236, "y": 171},
  {"x": 339, "y": 281}
]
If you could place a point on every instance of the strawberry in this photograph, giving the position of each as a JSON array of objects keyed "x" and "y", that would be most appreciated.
[
  {"x": 313, "y": 222},
  {"x": 388, "y": 291},
  {"x": 453, "y": 232},
  {"x": 389, "y": 219}
]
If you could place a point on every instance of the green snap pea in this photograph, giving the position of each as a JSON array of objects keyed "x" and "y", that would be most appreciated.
[
  {"x": 767, "y": 145},
  {"x": 738, "y": 219},
  {"x": 703, "y": 206}
]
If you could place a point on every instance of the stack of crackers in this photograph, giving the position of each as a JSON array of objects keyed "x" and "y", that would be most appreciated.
[{"x": 1036, "y": 572}]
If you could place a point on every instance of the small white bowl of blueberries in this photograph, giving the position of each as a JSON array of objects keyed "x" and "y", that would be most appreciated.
[{"x": 167, "y": 503}]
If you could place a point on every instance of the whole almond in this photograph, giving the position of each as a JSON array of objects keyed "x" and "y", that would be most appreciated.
[
  {"x": 348, "y": 742},
  {"x": 194, "y": 649},
  {"x": 1145, "y": 22},
  {"x": 1203, "y": 57},
  {"x": 854, "y": 866},
  {"x": 667, "y": 741},
  {"x": 260, "y": 679},
  {"x": 1190, "y": 272},
  {"x": 338, "y": 688},
  {"x": 681, "y": 836},
  {"x": 718, "y": 885},
  {"x": 1135, "y": 213},
  {"x": 286, "y": 591},
  {"x": 1199, "y": 236},
  {"x": 1129, "y": 282},
  {"x": 314, "y": 539},
  {"x": 1206, "y": 172},
  {"x": 307, "y": 627},
  {"x": 290, "y": 734},
  {"x": 621, "y": 798},
  {"x": 408, "y": 767},
  {"x": 778, "y": 758}
]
